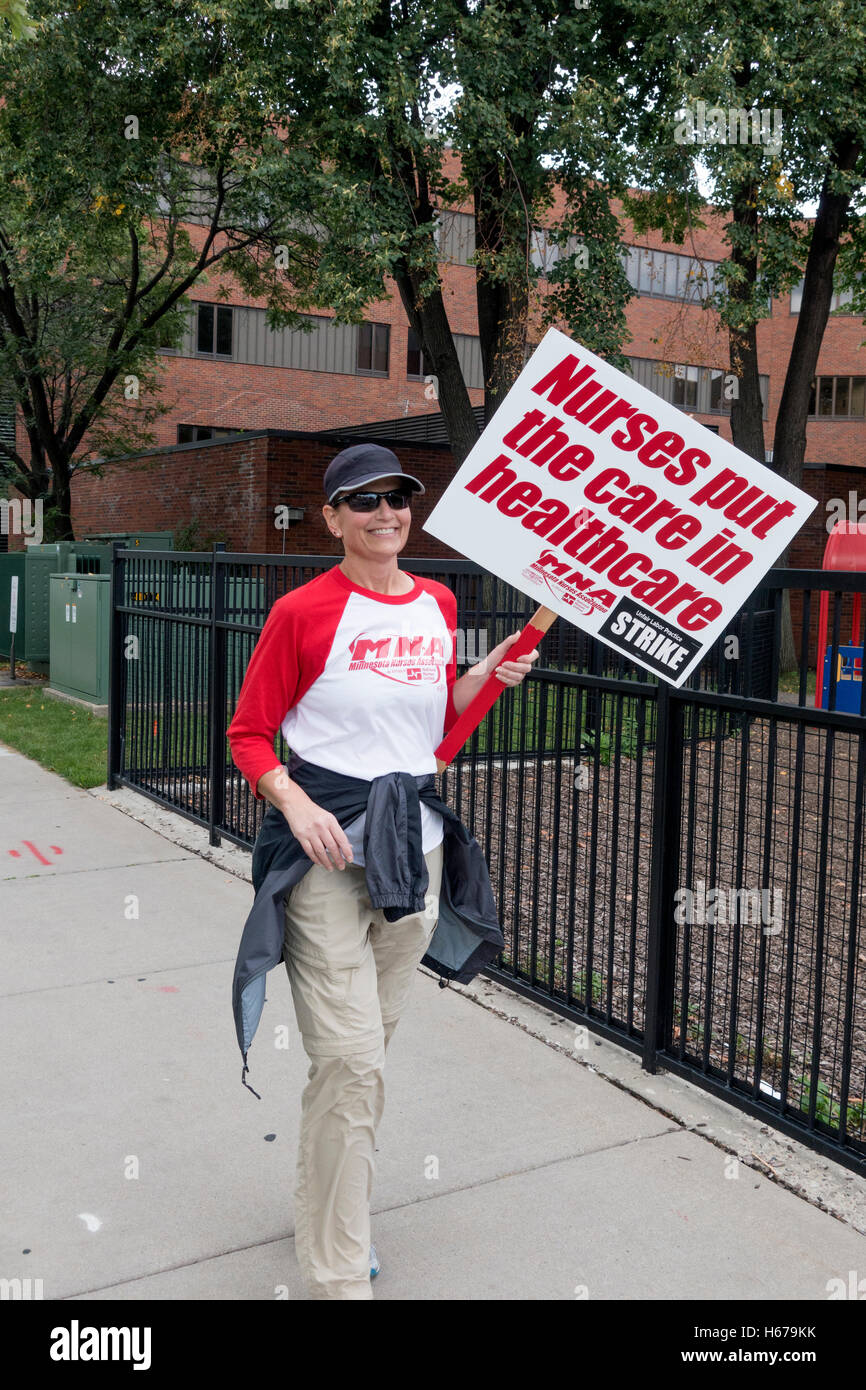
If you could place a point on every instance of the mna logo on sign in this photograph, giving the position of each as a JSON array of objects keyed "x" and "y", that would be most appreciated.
[{"x": 570, "y": 584}]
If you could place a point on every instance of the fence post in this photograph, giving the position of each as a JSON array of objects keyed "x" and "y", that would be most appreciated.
[
  {"x": 664, "y": 871},
  {"x": 116, "y": 671},
  {"x": 216, "y": 739}
]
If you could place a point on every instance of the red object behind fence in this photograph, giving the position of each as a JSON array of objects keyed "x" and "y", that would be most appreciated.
[{"x": 845, "y": 550}]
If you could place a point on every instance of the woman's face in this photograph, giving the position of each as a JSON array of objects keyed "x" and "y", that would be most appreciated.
[{"x": 371, "y": 534}]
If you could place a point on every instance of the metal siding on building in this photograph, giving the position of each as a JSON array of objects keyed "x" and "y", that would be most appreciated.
[
  {"x": 457, "y": 238},
  {"x": 8, "y": 406},
  {"x": 328, "y": 347},
  {"x": 187, "y": 344},
  {"x": 469, "y": 357},
  {"x": 644, "y": 370},
  {"x": 342, "y": 342}
]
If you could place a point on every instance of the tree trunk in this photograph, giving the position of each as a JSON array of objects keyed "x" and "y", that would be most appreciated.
[
  {"x": 502, "y": 308},
  {"x": 789, "y": 442},
  {"x": 747, "y": 409},
  {"x": 430, "y": 321},
  {"x": 61, "y": 498}
]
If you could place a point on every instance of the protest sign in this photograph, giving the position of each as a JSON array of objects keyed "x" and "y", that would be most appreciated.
[{"x": 618, "y": 511}]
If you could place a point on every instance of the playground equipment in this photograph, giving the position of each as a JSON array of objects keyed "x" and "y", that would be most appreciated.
[{"x": 845, "y": 550}]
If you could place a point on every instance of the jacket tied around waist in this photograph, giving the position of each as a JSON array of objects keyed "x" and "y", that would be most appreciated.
[{"x": 467, "y": 936}]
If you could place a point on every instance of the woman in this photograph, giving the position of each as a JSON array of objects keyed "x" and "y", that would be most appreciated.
[{"x": 358, "y": 669}]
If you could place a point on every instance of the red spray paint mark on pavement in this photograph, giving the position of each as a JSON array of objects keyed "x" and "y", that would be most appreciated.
[{"x": 16, "y": 853}]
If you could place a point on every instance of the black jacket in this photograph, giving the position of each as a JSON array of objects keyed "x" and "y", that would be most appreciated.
[{"x": 467, "y": 935}]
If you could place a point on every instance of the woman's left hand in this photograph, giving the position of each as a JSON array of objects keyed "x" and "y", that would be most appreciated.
[{"x": 510, "y": 672}]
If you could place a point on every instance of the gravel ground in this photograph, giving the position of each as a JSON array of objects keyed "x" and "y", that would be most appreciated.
[{"x": 591, "y": 863}]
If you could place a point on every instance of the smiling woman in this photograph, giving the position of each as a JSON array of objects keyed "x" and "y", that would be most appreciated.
[
  {"x": 373, "y": 526},
  {"x": 357, "y": 668}
]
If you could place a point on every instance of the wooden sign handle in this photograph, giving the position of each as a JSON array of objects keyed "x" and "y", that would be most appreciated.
[{"x": 492, "y": 688}]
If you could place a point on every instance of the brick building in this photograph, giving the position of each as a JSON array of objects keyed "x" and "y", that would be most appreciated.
[{"x": 298, "y": 397}]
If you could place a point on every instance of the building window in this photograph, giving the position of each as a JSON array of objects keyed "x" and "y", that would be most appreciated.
[
  {"x": 723, "y": 385},
  {"x": 214, "y": 329},
  {"x": 372, "y": 354},
  {"x": 194, "y": 434},
  {"x": 415, "y": 357},
  {"x": 699, "y": 390},
  {"x": 838, "y": 300},
  {"x": 685, "y": 388},
  {"x": 838, "y": 397},
  {"x": 545, "y": 252},
  {"x": 667, "y": 275},
  {"x": 165, "y": 338}
]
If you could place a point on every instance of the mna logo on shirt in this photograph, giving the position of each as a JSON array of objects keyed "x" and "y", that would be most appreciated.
[{"x": 399, "y": 657}]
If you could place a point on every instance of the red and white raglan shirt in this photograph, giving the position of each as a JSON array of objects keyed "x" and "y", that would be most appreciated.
[{"x": 358, "y": 682}]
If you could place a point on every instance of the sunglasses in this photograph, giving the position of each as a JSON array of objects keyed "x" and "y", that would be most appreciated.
[{"x": 369, "y": 501}]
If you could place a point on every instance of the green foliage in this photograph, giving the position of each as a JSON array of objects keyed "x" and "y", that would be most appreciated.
[
  {"x": 307, "y": 148},
  {"x": 800, "y": 58},
  {"x": 15, "y": 16},
  {"x": 828, "y": 1109},
  {"x": 62, "y": 737},
  {"x": 191, "y": 537},
  {"x": 120, "y": 128},
  {"x": 591, "y": 298},
  {"x": 597, "y": 986},
  {"x": 606, "y": 742},
  {"x": 364, "y": 84}
]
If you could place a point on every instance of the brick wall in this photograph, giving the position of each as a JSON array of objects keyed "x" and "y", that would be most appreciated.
[
  {"x": 231, "y": 487},
  {"x": 216, "y": 484},
  {"x": 295, "y": 478}
]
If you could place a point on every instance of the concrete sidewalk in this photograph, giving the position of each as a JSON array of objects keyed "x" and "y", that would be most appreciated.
[{"x": 509, "y": 1165}]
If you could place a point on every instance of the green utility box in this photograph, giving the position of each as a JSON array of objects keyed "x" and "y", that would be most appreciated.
[
  {"x": 80, "y": 625},
  {"x": 34, "y": 565},
  {"x": 134, "y": 540},
  {"x": 12, "y": 565}
]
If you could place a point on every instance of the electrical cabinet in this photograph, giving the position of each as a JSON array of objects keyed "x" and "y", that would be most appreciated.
[{"x": 80, "y": 623}]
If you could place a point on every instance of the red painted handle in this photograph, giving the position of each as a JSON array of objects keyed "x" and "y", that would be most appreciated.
[{"x": 490, "y": 691}]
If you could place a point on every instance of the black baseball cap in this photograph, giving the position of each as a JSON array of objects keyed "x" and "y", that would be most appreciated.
[{"x": 360, "y": 464}]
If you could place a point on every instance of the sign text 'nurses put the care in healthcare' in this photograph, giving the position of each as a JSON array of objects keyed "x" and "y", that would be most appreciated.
[{"x": 616, "y": 510}]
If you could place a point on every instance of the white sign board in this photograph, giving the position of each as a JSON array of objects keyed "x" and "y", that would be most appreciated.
[
  {"x": 616, "y": 510},
  {"x": 13, "y": 605}
]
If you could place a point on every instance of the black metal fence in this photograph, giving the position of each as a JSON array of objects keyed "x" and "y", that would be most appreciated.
[{"x": 679, "y": 870}]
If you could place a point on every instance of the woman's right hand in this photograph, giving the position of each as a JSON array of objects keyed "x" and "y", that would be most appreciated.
[{"x": 318, "y": 832}]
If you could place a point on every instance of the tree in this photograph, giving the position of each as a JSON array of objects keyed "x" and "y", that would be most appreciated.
[
  {"x": 383, "y": 91},
  {"x": 784, "y": 128},
  {"x": 17, "y": 20},
  {"x": 796, "y": 68},
  {"x": 132, "y": 164}
]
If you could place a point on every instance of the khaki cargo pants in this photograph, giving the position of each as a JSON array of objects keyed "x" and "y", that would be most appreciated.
[{"x": 351, "y": 973}]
